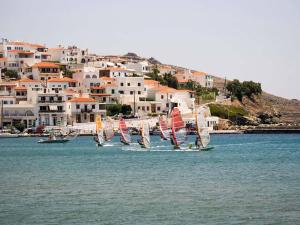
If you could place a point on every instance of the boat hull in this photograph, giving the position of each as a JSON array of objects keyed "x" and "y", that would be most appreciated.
[{"x": 52, "y": 141}]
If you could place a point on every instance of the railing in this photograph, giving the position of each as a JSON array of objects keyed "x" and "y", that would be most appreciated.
[
  {"x": 50, "y": 101},
  {"x": 86, "y": 110},
  {"x": 51, "y": 111}
]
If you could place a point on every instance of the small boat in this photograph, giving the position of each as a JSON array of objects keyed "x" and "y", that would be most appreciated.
[
  {"x": 203, "y": 136},
  {"x": 53, "y": 139},
  {"x": 145, "y": 136},
  {"x": 125, "y": 137},
  {"x": 57, "y": 136},
  {"x": 99, "y": 137},
  {"x": 163, "y": 127},
  {"x": 42, "y": 141},
  {"x": 178, "y": 134},
  {"x": 109, "y": 129}
]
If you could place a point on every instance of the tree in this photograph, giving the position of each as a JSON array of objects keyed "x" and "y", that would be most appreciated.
[
  {"x": 11, "y": 74},
  {"x": 246, "y": 88},
  {"x": 170, "y": 81},
  {"x": 116, "y": 109},
  {"x": 126, "y": 109}
]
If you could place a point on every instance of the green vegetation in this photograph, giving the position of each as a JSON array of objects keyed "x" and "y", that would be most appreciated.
[
  {"x": 246, "y": 88},
  {"x": 10, "y": 73},
  {"x": 166, "y": 79},
  {"x": 20, "y": 126},
  {"x": 226, "y": 112},
  {"x": 66, "y": 72},
  {"x": 116, "y": 109},
  {"x": 202, "y": 93}
]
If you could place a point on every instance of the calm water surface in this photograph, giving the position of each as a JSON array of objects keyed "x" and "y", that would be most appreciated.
[{"x": 246, "y": 179}]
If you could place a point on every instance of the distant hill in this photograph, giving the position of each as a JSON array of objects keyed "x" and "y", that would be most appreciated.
[{"x": 287, "y": 110}]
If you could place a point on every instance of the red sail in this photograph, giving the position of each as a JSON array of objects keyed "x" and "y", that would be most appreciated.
[
  {"x": 124, "y": 131},
  {"x": 163, "y": 127},
  {"x": 178, "y": 128}
]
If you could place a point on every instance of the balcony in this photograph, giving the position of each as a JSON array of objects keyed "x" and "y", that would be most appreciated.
[
  {"x": 51, "y": 111},
  {"x": 50, "y": 101},
  {"x": 86, "y": 110}
]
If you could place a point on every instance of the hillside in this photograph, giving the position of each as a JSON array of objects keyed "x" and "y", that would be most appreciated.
[{"x": 287, "y": 111}]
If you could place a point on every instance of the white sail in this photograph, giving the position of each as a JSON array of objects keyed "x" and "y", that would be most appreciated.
[
  {"x": 202, "y": 129},
  {"x": 145, "y": 134},
  {"x": 100, "y": 137}
]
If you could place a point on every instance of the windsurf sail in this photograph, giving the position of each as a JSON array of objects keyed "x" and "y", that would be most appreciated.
[
  {"x": 178, "y": 128},
  {"x": 202, "y": 129},
  {"x": 125, "y": 136},
  {"x": 99, "y": 130},
  {"x": 163, "y": 127},
  {"x": 145, "y": 134},
  {"x": 109, "y": 129}
]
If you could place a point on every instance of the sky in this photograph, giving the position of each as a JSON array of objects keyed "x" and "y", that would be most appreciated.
[{"x": 255, "y": 40}]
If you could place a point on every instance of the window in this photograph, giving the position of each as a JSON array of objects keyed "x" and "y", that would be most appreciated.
[
  {"x": 93, "y": 106},
  {"x": 147, "y": 108},
  {"x": 128, "y": 84},
  {"x": 131, "y": 92},
  {"x": 112, "y": 91},
  {"x": 167, "y": 104},
  {"x": 139, "y": 84},
  {"x": 122, "y": 84},
  {"x": 77, "y": 106},
  {"x": 121, "y": 92},
  {"x": 162, "y": 97},
  {"x": 158, "y": 108},
  {"x": 139, "y": 107},
  {"x": 139, "y": 92}
]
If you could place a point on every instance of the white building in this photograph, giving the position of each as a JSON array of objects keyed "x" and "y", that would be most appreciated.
[{"x": 83, "y": 110}]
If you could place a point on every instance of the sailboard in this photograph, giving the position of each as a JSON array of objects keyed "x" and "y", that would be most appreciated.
[
  {"x": 178, "y": 135},
  {"x": 125, "y": 136},
  {"x": 163, "y": 127},
  {"x": 203, "y": 136}
]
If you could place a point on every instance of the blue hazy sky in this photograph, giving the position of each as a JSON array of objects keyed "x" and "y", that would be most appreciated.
[{"x": 250, "y": 40}]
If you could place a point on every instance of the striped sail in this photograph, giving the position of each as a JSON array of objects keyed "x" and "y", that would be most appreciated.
[
  {"x": 109, "y": 129},
  {"x": 178, "y": 128},
  {"x": 145, "y": 134},
  {"x": 99, "y": 130},
  {"x": 202, "y": 129},
  {"x": 163, "y": 127},
  {"x": 124, "y": 131}
]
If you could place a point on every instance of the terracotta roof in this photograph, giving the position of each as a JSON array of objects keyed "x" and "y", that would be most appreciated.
[
  {"x": 70, "y": 91},
  {"x": 115, "y": 69},
  {"x": 107, "y": 78},
  {"x": 198, "y": 73},
  {"x": 100, "y": 94},
  {"x": 45, "y": 65},
  {"x": 26, "y": 44},
  {"x": 151, "y": 82},
  {"x": 3, "y": 59},
  {"x": 64, "y": 79},
  {"x": 164, "y": 89},
  {"x": 80, "y": 99},
  {"x": 27, "y": 80},
  {"x": 21, "y": 88},
  {"x": 12, "y": 83},
  {"x": 182, "y": 80}
]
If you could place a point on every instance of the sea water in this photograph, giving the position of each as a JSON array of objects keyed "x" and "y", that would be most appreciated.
[{"x": 245, "y": 179}]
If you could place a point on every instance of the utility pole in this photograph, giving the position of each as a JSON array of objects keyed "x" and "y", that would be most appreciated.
[
  {"x": 134, "y": 103},
  {"x": 1, "y": 124}
]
